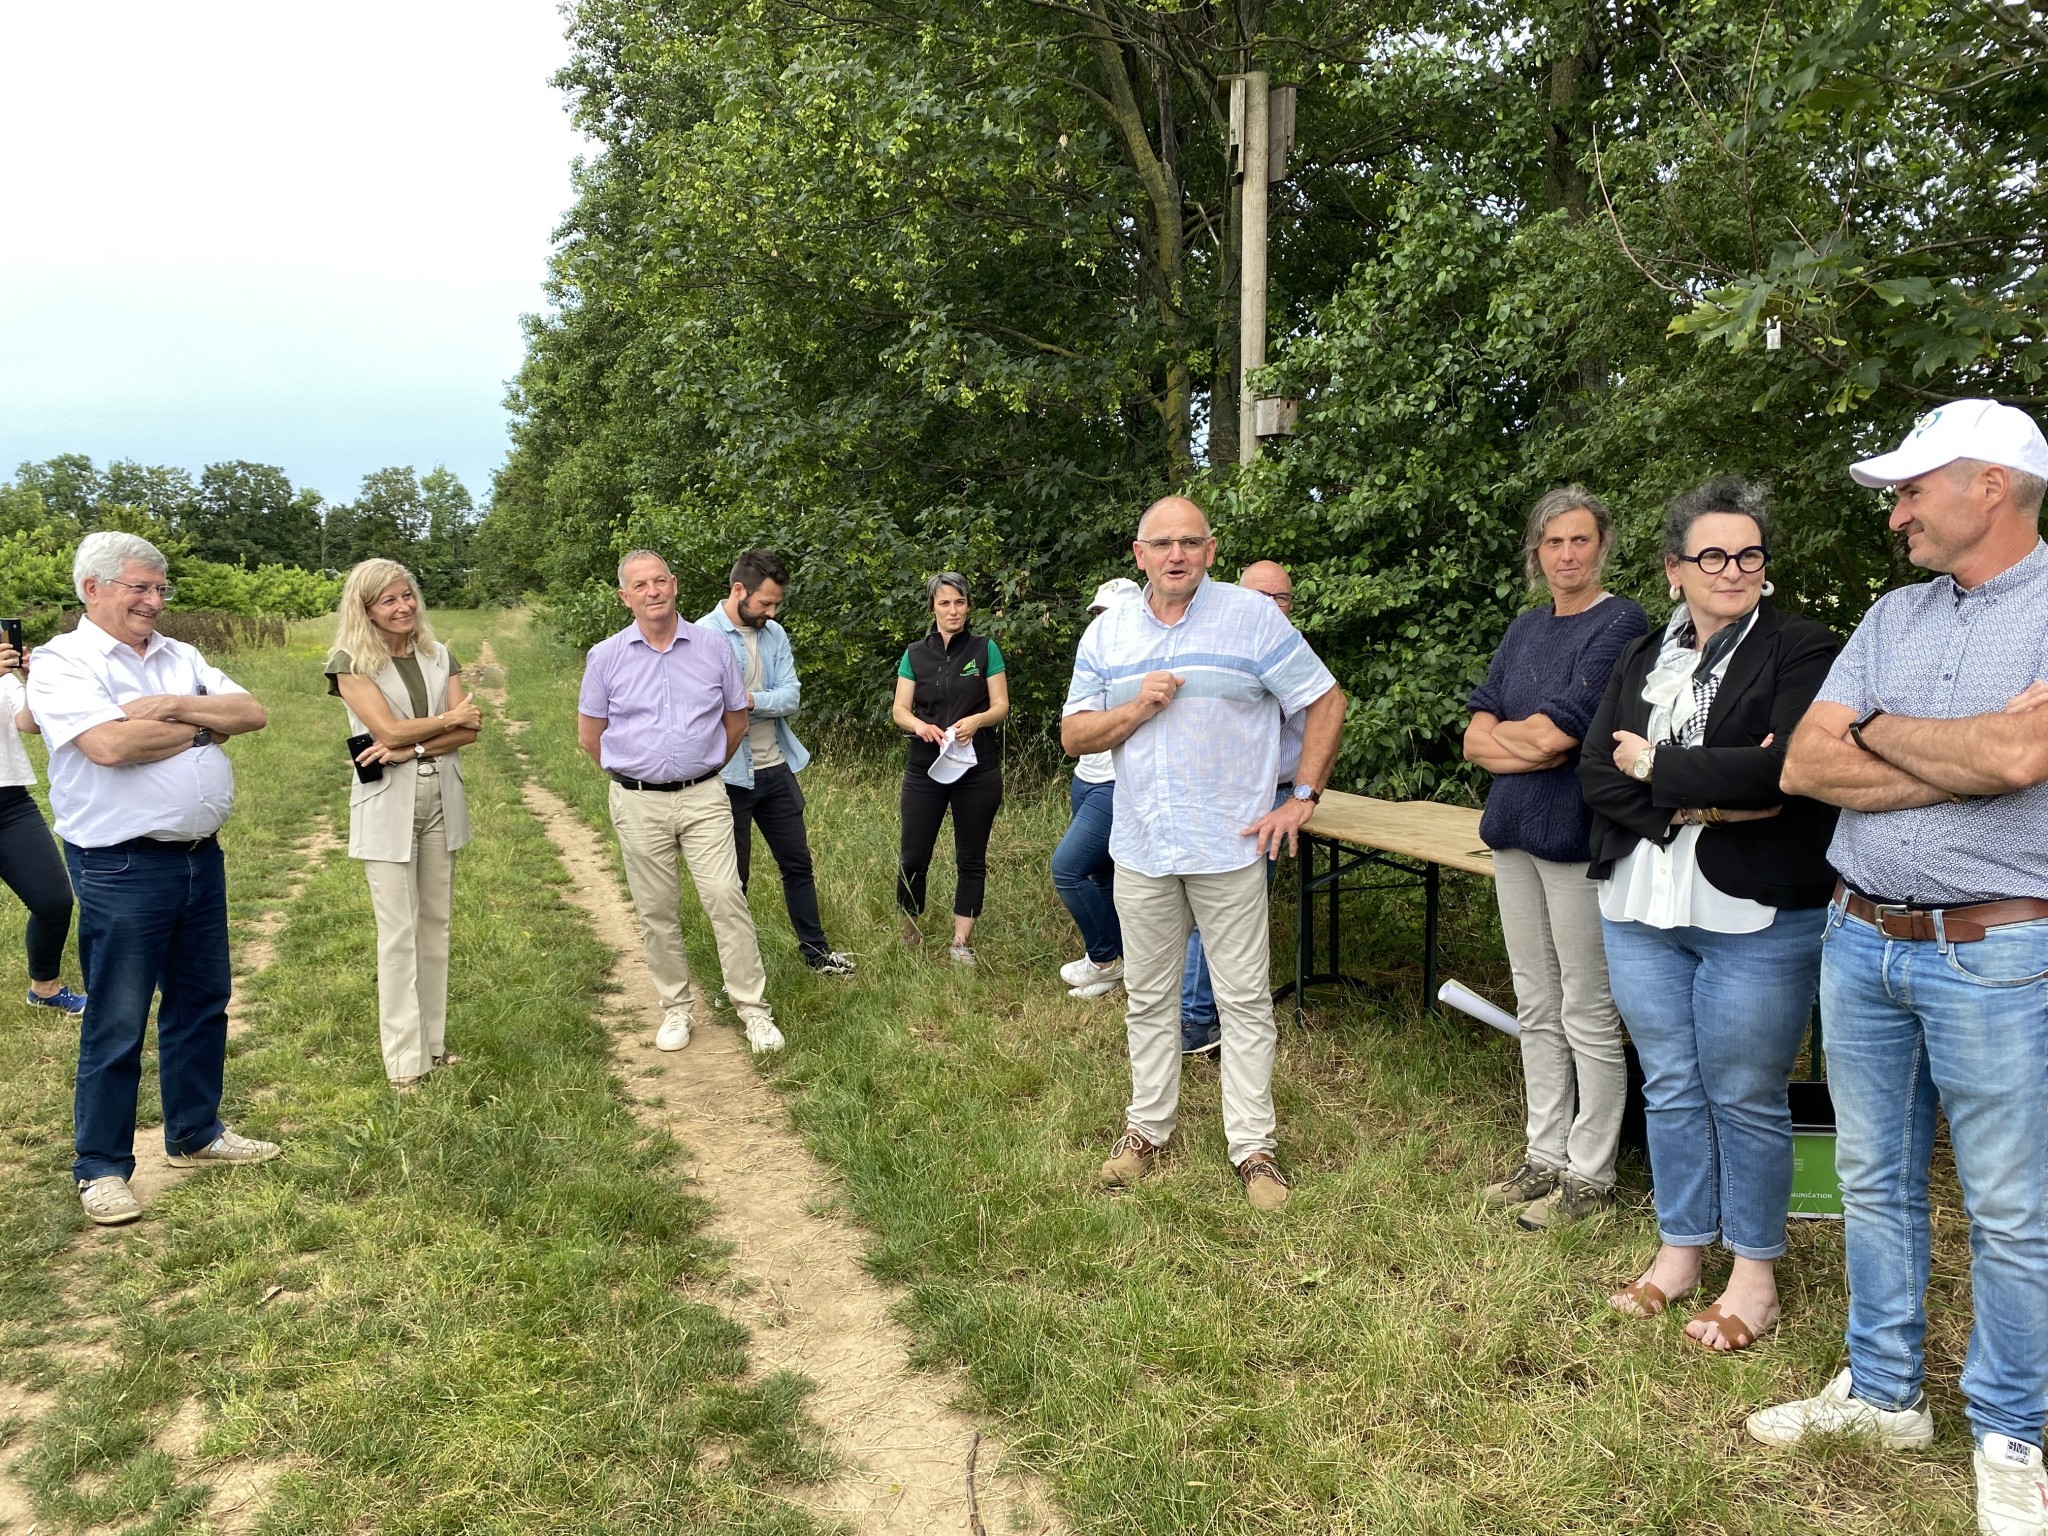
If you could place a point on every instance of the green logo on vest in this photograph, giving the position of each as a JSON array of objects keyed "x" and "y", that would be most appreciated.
[{"x": 972, "y": 669}]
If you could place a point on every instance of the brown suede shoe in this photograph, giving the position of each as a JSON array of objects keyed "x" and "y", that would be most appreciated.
[
  {"x": 1264, "y": 1184},
  {"x": 1130, "y": 1160}
]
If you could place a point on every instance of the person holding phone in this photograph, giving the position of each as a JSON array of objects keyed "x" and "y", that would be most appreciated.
[
  {"x": 29, "y": 861},
  {"x": 409, "y": 718}
]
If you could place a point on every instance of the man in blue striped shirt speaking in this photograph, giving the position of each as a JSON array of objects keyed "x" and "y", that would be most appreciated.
[{"x": 1188, "y": 689}]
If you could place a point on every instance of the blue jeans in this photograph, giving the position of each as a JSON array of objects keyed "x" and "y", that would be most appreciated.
[
  {"x": 151, "y": 916},
  {"x": 1197, "y": 997},
  {"x": 1911, "y": 1024},
  {"x": 1718, "y": 1019},
  {"x": 1082, "y": 873}
]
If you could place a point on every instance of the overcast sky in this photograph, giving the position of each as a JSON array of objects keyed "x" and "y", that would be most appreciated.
[{"x": 302, "y": 236}]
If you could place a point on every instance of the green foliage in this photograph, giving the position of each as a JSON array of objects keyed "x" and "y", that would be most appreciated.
[{"x": 893, "y": 295}]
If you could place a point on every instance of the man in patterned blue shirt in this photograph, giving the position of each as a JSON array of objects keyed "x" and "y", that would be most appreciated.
[
  {"x": 1188, "y": 689},
  {"x": 1934, "y": 980}
]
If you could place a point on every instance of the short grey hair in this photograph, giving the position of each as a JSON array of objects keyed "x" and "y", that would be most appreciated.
[
  {"x": 951, "y": 579},
  {"x": 1548, "y": 509},
  {"x": 639, "y": 554},
  {"x": 1724, "y": 493},
  {"x": 2026, "y": 489},
  {"x": 102, "y": 555}
]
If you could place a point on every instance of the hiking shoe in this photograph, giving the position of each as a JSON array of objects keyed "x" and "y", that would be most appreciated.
[
  {"x": 837, "y": 963},
  {"x": 1835, "y": 1412},
  {"x": 227, "y": 1147},
  {"x": 1130, "y": 1160},
  {"x": 70, "y": 1002},
  {"x": 1264, "y": 1184},
  {"x": 1571, "y": 1201},
  {"x": 963, "y": 954},
  {"x": 1200, "y": 1039},
  {"x": 1528, "y": 1182},
  {"x": 763, "y": 1036},
  {"x": 674, "y": 1033},
  {"x": 108, "y": 1200},
  {"x": 2012, "y": 1498}
]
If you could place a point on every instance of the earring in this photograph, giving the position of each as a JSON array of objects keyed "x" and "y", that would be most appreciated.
[
  {"x": 1769, "y": 589},
  {"x": 1676, "y": 591}
]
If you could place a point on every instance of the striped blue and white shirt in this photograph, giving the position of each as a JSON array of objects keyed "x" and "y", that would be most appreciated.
[{"x": 1190, "y": 779}]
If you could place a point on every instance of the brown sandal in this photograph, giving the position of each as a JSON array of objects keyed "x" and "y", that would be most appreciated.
[
  {"x": 1735, "y": 1332},
  {"x": 1639, "y": 1299}
]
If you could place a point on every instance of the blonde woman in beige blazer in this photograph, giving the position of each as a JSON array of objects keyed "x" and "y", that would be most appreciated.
[{"x": 403, "y": 688}]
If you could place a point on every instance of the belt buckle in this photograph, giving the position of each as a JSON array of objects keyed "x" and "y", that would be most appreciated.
[{"x": 1888, "y": 909}]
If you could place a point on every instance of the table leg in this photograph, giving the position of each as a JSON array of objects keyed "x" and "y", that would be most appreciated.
[
  {"x": 1304, "y": 921},
  {"x": 1429, "y": 906}
]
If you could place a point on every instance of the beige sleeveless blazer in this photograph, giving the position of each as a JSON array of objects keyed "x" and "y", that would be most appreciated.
[{"x": 380, "y": 813}]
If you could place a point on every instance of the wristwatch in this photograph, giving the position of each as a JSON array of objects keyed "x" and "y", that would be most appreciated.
[
  {"x": 1644, "y": 765},
  {"x": 1856, "y": 730},
  {"x": 419, "y": 750},
  {"x": 1308, "y": 793},
  {"x": 202, "y": 737}
]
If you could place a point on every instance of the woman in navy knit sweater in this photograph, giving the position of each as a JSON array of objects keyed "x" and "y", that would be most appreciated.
[{"x": 1528, "y": 718}]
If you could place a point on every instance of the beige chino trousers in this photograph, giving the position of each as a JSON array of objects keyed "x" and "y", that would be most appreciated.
[
  {"x": 659, "y": 834},
  {"x": 1156, "y": 913},
  {"x": 413, "y": 902}
]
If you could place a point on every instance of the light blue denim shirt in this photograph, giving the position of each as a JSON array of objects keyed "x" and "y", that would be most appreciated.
[
  {"x": 1190, "y": 779},
  {"x": 779, "y": 697}
]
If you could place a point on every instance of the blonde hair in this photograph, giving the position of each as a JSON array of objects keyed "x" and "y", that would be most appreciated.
[{"x": 353, "y": 631}]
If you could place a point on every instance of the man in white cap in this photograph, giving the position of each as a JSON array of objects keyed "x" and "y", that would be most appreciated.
[
  {"x": 1934, "y": 981},
  {"x": 1082, "y": 872}
]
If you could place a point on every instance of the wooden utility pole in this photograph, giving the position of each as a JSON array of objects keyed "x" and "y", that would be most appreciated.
[{"x": 1251, "y": 293}]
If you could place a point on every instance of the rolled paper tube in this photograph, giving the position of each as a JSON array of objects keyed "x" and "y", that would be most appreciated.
[{"x": 1465, "y": 1000}]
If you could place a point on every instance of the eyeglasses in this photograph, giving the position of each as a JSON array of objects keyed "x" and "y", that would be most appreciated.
[
  {"x": 1284, "y": 599},
  {"x": 167, "y": 590},
  {"x": 1187, "y": 546},
  {"x": 1712, "y": 562}
]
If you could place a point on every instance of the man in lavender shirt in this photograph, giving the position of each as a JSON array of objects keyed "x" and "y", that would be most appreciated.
[{"x": 661, "y": 710}]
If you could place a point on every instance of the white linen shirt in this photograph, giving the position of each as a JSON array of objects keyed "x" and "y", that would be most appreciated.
[
  {"x": 1191, "y": 778},
  {"x": 16, "y": 771},
  {"x": 81, "y": 680}
]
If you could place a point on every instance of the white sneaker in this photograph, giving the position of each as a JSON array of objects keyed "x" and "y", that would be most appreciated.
[
  {"x": 227, "y": 1147},
  {"x": 1075, "y": 973},
  {"x": 674, "y": 1033},
  {"x": 1097, "y": 988},
  {"x": 108, "y": 1200},
  {"x": 763, "y": 1036},
  {"x": 2012, "y": 1498},
  {"x": 1835, "y": 1412}
]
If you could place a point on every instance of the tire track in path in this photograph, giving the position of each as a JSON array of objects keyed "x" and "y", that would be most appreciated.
[{"x": 812, "y": 1307}]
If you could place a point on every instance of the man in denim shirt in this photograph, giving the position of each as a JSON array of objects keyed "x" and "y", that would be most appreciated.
[
  {"x": 1934, "y": 979},
  {"x": 760, "y": 781}
]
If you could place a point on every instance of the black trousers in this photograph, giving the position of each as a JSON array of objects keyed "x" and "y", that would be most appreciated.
[
  {"x": 34, "y": 871},
  {"x": 776, "y": 805},
  {"x": 974, "y": 797}
]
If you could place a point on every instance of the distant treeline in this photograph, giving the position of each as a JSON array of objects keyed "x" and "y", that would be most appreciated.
[{"x": 240, "y": 539}]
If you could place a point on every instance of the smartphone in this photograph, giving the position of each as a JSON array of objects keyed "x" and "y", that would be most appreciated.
[
  {"x": 10, "y": 631},
  {"x": 368, "y": 773}
]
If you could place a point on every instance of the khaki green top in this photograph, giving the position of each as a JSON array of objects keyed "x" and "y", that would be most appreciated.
[{"x": 339, "y": 662}]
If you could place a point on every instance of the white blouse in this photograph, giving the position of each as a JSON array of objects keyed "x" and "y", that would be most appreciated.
[
  {"x": 16, "y": 771},
  {"x": 1662, "y": 886}
]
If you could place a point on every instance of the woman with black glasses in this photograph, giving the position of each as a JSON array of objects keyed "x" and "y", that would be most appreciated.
[{"x": 1713, "y": 892}]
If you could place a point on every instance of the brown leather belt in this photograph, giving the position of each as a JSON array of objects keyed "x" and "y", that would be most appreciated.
[{"x": 1959, "y": 925}]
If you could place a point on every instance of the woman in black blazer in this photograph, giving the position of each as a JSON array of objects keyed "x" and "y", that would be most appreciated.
[{"x": 1713, "y": 892}]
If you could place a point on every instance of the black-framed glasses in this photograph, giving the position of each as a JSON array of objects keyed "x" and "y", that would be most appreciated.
[
  {"x": 167, "y": 590},
  {"x": 1712, "y": 562}
]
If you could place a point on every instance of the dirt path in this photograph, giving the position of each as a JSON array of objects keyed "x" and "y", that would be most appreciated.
[
  {"x": 812, "y": 1307},
  {"x": 238, "y": 1489}
]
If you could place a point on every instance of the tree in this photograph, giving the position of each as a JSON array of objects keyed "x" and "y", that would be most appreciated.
[
  {"x": 248, "y": 514},
  {"x": 441, "y": 563},
  {"x": 387, "y": 519}
]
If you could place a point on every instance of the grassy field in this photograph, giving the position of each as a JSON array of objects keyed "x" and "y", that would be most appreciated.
[{"x": 496, "y": 1313}]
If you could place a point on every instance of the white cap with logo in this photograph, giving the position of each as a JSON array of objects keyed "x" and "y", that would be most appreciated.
[
  {"x": 1961, "y": 429},
  {"x": 1118, "y": 589}
]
